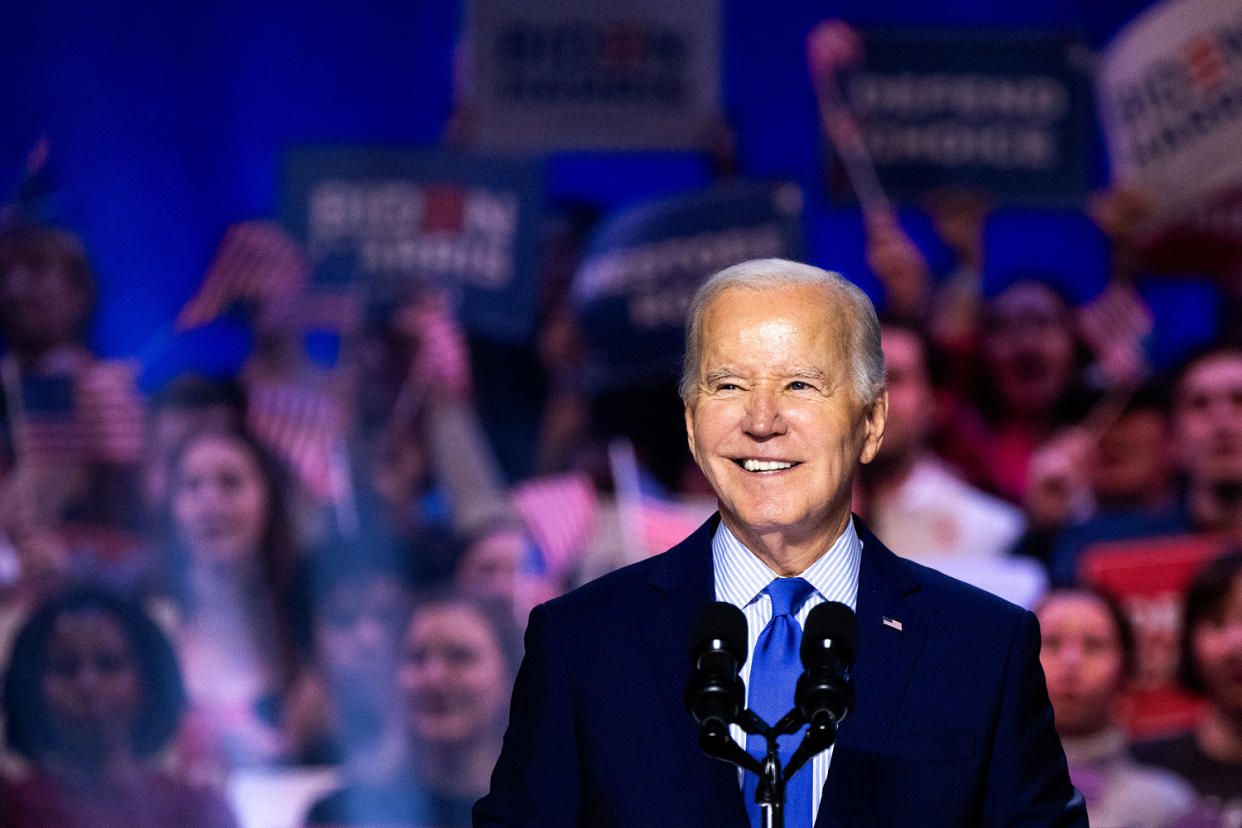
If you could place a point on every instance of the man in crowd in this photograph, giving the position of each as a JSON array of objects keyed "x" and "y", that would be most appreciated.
[
  {"x": 784, "y": 399},
  {"x": 1206, "y": 441},
  {"x": 912, "y": 499},
  {"x": 1207, "y": 421}
]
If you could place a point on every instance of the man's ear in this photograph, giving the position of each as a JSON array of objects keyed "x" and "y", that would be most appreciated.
[
  {"x": 690, "y": 430},
  {"x": 875, "y": 417}
]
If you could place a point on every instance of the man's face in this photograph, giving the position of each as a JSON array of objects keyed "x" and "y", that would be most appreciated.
[
  {"x": 1208, "y": 419},
  {"x": 1131, "y": 460},
  {"x": 358, "y": 633},
  {"x": 1028, "y": 347},
  {"x": 910, "y": 399},
  {"x": 453, "y": 676},
  {"x": 1217, "y": 645},
  {"x": 777, "y": 426},
  {"x": 40, "y": 306}
]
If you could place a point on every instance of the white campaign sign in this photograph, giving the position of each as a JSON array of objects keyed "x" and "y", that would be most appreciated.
[{"x": 1170, "y": 96}]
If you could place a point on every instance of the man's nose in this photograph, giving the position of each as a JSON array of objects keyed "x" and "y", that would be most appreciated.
[
  {"x": 370, "y": 632},
  {"x": 1233, "y": 636},
  {"x": 86, "y": 680},
  {"x": 764, "y": 417},
  {"x": 1226, "y": 412},
  {"x": 436, "y": 669},
  {"x": 1070, "y": 655}
]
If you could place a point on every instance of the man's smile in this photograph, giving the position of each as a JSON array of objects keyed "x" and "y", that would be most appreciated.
[{"x": 752, "y": 464}]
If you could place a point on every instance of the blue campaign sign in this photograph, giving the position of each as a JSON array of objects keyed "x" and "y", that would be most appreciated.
[
  {"x": 1006, "y": 112},
  {"x": 644, "y": 263},
  {"x": 411, "y": 218},
  {"x": 592, "y": 74}
]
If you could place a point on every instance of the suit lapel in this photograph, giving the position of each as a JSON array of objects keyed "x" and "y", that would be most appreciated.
[
  {"x": 886, "y": 659},
  {"x": 682, "y": 583}
]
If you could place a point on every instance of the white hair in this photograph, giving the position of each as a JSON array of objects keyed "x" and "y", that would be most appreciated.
[{"x": 866, "y": 357}]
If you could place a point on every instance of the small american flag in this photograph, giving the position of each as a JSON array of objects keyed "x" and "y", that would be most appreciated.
[
  {"x": 96, "y": 415},
  {"x": 256, "y": 261},
  {"x": 662, "y": 524},
  {"x": 890, "y": 622},
  {"x": 46, "y": 426},
  {"x": 653, "y": 519},
  {"x": 560, "y": 512},
  {"x": 111, "y": 412},
  {"x": 1115, "y": 325},
  {"x": 303, "y": 426}
]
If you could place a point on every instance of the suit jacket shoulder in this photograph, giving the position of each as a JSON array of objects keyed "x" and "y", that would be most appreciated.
[
  {"x": 598, "y": 733},
  {"x": 952, "y": 726}
]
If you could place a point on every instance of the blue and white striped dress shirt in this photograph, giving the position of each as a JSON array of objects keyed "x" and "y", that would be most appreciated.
[{"x": 740, "y": 580}]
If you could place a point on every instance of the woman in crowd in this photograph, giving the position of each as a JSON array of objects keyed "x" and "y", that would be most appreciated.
[
  {"x": 92, "y": 695},
  {"x": 1087, "y": 656},
  {"x": 459, "y": 659},
  {"x": 230, "y": 575},
  {"x": 1030, "y": 385},
  {"x": 1210, "y": 756}
]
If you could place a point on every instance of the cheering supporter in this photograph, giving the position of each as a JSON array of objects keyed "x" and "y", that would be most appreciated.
[
  {"x": 295, "y": 395},
  {"x": 186, "y": 404},
  {"x": 912, "y": 499},
  {"x": 460, "y": 655},
  {"x": 1086, "y": 487},
  {"x": 48, "y": 294},
  {"x": 1088, "y": 655},
  {"x": 1209, "y": 757},
  {"x": 92, "y": 696},
  {"x": 1028, "y": 386},
  {"x": 344, "y": 707},
  {"x": 495, "y": 559},
  {"x": 381, "y": 435},
  {"x": 72, "y": 422},
  {"x": 1131, "y": 466},
  {"x": 502, "y": 561},
  {"x": 1207, "y": 412},
  {"x": 432, "y": 472},
  {"x": 229, "y": 571},
  {"x": 1206, "y": 443}
]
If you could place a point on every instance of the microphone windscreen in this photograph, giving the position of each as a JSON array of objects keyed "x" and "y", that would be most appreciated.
[
  {"x": 721, "y": 621},
  {"x": 833, "y": 621}
]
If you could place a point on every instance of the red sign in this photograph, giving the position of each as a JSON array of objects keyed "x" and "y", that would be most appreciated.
[{"x": 1149, "y": 577}]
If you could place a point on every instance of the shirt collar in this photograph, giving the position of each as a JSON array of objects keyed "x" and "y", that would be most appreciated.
[{"x": 741, "y": 576}]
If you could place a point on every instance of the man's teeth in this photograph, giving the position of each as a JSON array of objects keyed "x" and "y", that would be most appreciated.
[{"x": 765, "y": 465}]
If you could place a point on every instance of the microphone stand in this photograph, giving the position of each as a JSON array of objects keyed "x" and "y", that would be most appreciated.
[{"x": 715, "y": 741}]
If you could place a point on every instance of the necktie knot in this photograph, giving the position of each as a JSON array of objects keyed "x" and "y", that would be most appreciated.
[{"x": 788, "y": 594}]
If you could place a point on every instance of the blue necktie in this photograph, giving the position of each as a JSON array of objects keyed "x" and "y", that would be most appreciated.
[{"x": 774, "y": 672}]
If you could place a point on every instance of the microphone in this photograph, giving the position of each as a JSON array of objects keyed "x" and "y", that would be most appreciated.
[
  {"x": 715, "y": 694},
  {"x": 824, "y": 694}
]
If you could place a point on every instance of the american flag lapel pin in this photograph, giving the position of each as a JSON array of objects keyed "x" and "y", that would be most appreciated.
[{"x": 890, "y": 622}]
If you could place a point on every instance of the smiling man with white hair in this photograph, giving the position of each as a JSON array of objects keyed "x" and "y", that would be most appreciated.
[{"x": 784, "y": 399}]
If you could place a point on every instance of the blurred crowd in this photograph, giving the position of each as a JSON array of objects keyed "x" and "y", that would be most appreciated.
[{"x": 318, "y": 569}]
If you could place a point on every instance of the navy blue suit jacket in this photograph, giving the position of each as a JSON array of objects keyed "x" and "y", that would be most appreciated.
[{"x": 952, "y": 725}]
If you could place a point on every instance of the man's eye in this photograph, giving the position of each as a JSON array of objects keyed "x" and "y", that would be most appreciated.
[
  {"x": 726, "y": 386},
  {"x": 798, "y": 385}
]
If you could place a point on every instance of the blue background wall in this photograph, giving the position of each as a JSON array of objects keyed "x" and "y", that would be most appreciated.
[{"x": 167, "y": 120}]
